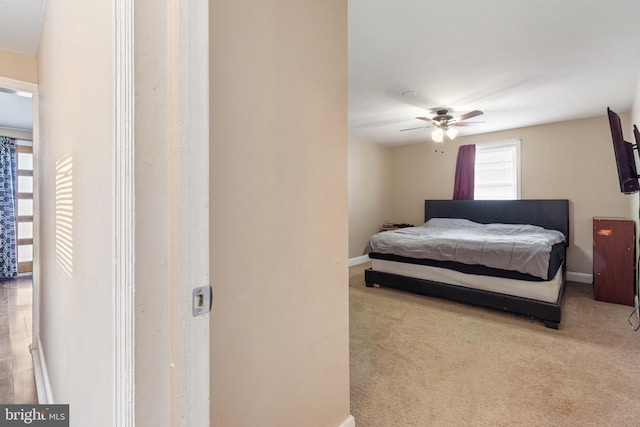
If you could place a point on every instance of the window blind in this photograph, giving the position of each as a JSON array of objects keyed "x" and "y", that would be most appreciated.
[{"x": 497, "y": 171}]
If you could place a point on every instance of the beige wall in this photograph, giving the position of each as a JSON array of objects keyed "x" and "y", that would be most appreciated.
[
  {"x": 370, "y": 192},
  {"x": 572, "y": 160},
  {"x": 74, "y": 186},
  {"x": 419, "y": 173},
  {"x": 18, "y": 66},
  {"x": 280, "y": 326}
]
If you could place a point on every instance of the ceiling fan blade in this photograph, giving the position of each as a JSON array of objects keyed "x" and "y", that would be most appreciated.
[
  {"x": 426, "y": 119},
  {"x": 468, "y": 115},
  {"x": 419, "y": 127}
]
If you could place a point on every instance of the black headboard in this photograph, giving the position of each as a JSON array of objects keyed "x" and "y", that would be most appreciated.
[{"x": 550, "y": 214}]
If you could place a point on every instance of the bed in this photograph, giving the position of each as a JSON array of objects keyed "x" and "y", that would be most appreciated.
[{"x": 538, "y": 296}]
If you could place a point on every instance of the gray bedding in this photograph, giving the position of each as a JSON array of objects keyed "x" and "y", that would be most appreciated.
[{"x": 516, "y": 247}]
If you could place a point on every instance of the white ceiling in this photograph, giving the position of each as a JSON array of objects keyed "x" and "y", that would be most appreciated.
[
  {"x": 16, "y": 111},
  {"x": 521, "y": 62},
  {"x": 20, "y": 24}
]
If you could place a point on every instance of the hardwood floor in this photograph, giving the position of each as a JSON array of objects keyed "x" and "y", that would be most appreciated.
[{"x": 17, "y": 384}]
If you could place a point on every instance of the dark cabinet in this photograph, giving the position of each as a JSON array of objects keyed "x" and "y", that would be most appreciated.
[{"x": 614, "y": 260}]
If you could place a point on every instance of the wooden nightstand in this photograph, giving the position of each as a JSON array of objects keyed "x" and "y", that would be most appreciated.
[{"x": 614, "y": 252}]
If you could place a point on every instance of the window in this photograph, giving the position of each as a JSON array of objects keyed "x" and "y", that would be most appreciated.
[
  {"x": 497, "y": 171},
  {"x": 24, "y": 198}
]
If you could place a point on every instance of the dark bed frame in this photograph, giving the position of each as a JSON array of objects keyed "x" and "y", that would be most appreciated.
[{"x": 550, "y": 214}]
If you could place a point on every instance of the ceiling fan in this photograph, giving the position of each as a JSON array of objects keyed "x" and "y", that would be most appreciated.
[{"x": 445, "y": 123}]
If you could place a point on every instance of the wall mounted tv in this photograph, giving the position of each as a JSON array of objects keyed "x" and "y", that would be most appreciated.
[{"x": 625, "y": 160}]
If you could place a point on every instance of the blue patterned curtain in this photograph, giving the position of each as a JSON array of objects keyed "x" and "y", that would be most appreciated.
[{"x": 8, "y": 253}]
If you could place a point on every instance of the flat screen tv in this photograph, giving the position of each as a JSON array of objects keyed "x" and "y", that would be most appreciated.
[{"x": 625, "y": 160}]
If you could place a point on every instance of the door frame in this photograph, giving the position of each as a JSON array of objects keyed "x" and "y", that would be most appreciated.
[
  {"x": 187, "y": 22},
  {"x": 32, "y": 88},
  {"x": 187, "y": 73},
  {"x": 123, "y": 242}
]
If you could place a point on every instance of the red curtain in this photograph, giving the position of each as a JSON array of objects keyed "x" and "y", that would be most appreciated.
[{"x": 465, "y": 172}]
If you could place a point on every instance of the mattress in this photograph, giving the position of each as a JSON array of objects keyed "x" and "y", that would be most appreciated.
[
  {"x": 547, "y": 291},
  {"x": 557, "y": 257},
  {"x": 515, "y": 247}
]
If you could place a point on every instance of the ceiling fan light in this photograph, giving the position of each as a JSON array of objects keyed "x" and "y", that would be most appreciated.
[
  {"x": 452, "y": 133},
  {"x": 437, "y": 135}
]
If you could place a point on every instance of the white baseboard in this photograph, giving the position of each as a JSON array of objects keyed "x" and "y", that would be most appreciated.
[
  {"x": 43, "y": 386},
  {"x": 349, "y": 422},
  {"x": 359, "y": 260},
  {"x": 572, "y": 276}
]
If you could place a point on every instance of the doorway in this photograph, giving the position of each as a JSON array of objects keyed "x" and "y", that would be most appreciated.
[
  {"x": 16, "y": 128},
  {"x": 18, "y": 123}
]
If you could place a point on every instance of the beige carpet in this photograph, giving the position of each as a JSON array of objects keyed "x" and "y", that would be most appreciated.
[{"x": 423, "y": 361}]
